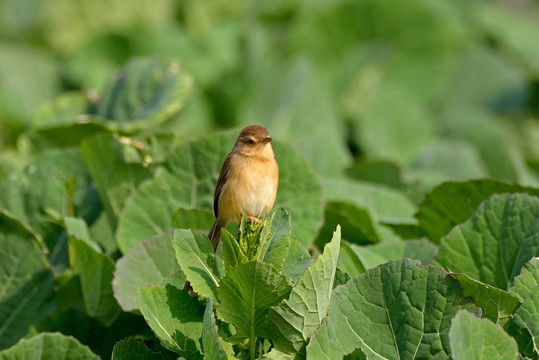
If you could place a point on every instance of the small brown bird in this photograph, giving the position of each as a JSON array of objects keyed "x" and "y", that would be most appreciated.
[{"x": 248, "y": 181}]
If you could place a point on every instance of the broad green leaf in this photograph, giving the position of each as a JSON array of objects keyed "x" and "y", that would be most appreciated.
[
  {"x": 232, "y": 253},
  {"x": 146, "y": 264},
  {"x": 115, "y": 178},
  {"x": 513, "y": 31},
  {"x": 498, "y": 305},
  {"x": 26, "y": 285},
  {"x": 196, "y": 258},
  {"x": 49, "y": 346},
  {"x": 295, "y": 109},
  {"x": 349, "y": 261},
  {"x": 246, "y": 294},
  {"x": 381, "y": 202},
  {"x": 356, "y": 223},
  {"x": 145, "y": 93},
  {"x": 188, "y": 181},
  {"x": 378, "y": 172},
  {"x": 69, "y": 135},
  {"x": 297, "y": 261},
  {"x": 77, "y": 228},
  {"x": 134, "y": 349},
  {"x": 393, "y": 307},
  {"x": 195, "y": 219},
  {"x": 500, "y": 237},
  {"x": 213, "y": 346},
  {"x": 174, "y": 316},
  {"x": 398, "y": 132},
  {"x": 474, "y": 339},
  {"x": 291, "y": 323},
  {"x": 53, "y": 184},
  {"x": 526, "y": 281},
  {"x": 96, "y": 273},
  {"x": 371, "y": 256},
  {"x": 64, "y": 110},
  {"x": 527, "y": 316},
  {"x": 275, "y": 239},
  {"x": 453, "y": 203}
]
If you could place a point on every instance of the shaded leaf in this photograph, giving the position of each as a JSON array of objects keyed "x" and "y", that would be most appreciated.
[
  {"x": 134, "y": 349},
  {"x": 371, "y": 256},
  {"x": 527, "y": 316},
  {"x": 213, "y": 345},
  {"x": 96, "y": 273},
  {"x": 357, "y": 225},
  {"x": 27, "y": 286},
  {"x": 195, "y": 219},
  {"x": 174, "y": 316}
]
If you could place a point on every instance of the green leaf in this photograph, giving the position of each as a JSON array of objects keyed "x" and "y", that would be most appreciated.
[
  {"x": 146, "y": 92},
  {"x": 527, "y": 316},
  {"x": 349, "y": 261},
  {"x": 296, "y": 109},
  {"x": 357, "y": 225},
  {"x": 246, "y": 294},
  {"x": 174, "y": 316},
  {"x": 27, "y": 286},
  {"x": 187, "y": 180},
  {"x": 96, "y": 274},
  {"x": 197, "y": 260},
  {"x": 195, "y": 219},
  {"x": 378, "y": 172},
  {"x": 393, "y": 307},
  {"x": 452, "y": 203},
  {"x": 498, "y": 305},
  {"x": 275, "y": 239},
  {"x": 77, "y": 228},
  {"x": 146, "y": 264},
  {"x": 134, "y": 349},
  {"x": 49, "y": 346},
  {"x": 500, "y": 237},
  {"x": 382, "y": 203},
  {"x": 213, "y": 345},
  {"x": 65, "y": 109},
  {"x": 371, "y": 256},
  {"x": 526, "y": 281},
  {"x": 115, "y": 178},
  {"x": 232, "y": 253},
  {"x": 292, "y": 322},
  {"x": 472, "y": 338},
  {"x": 297, "y": 261},
  {"x": 53, "y": 184}
]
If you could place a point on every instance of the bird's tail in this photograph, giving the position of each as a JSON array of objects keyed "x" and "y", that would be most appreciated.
[{"x": 215, "y": 233}]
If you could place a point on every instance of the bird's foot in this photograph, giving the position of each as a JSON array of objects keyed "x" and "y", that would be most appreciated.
[{"x": 253, "y": 219}]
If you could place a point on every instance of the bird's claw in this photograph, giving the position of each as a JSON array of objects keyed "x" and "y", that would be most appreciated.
[{"x": 253, "y": 219}]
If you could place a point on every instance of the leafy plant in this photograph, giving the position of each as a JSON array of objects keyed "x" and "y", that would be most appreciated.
[{"x": 406, "y": 224}]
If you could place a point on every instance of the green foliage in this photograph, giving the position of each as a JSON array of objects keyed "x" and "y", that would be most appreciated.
[{"x": 406, "y": 223}]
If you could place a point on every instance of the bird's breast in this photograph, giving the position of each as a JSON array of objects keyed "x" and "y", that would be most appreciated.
[{"x": 250, "y": 188}]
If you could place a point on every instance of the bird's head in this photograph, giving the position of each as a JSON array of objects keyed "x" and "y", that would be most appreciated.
[{"x": 254, "y": 140}]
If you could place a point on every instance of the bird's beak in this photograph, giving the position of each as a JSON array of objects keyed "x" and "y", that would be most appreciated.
[{"x": 266, "y": 140}]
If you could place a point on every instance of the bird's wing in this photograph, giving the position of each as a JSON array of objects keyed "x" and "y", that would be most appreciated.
[{"x": 223, "y": 177}]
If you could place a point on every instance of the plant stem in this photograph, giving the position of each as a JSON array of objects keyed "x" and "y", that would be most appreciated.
[{"x": 252, "y": 344}]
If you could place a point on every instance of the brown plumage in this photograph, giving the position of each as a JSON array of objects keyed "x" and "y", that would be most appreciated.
[{"x": 248, "y": 181}]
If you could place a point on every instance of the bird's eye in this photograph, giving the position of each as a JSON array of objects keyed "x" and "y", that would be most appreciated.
[{"x": 251, "y": 141}]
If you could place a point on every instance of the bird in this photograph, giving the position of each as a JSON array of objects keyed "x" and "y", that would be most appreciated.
[{"x": 247, "y": 183}]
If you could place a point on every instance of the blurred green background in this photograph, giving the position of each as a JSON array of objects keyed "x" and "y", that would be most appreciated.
[{"x": 420, "y": 92}]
